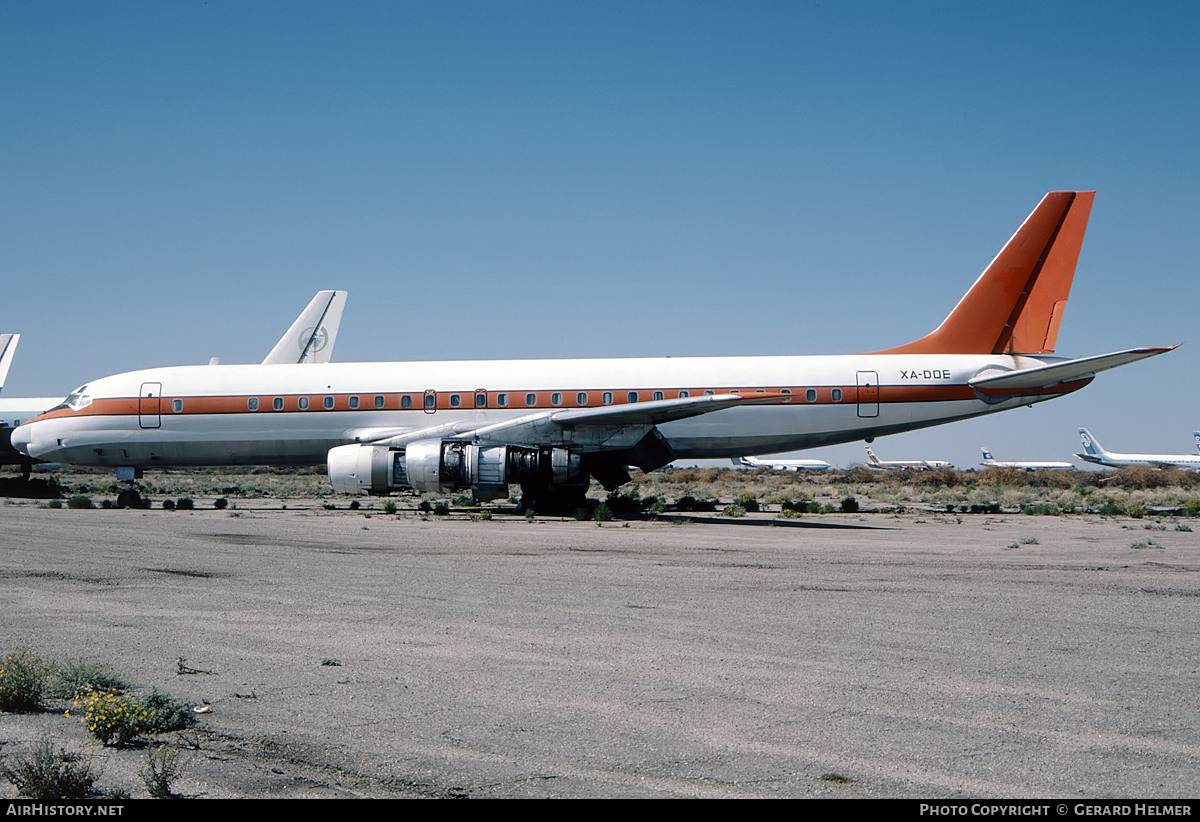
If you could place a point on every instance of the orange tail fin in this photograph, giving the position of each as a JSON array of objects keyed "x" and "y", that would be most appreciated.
[{"x": 1016, "y": 305}]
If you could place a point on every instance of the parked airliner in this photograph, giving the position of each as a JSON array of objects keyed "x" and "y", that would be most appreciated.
[
  {"x": 15, "y": 411},
  {"x": 782, "y": 464},
  {"x": 310, "y": 339},
  {"x": 1093, "y": 452},
  {"x": 550, "y": 425},
  {"x": 921, "y": 465},
  {"x": 992, "y": 462}
]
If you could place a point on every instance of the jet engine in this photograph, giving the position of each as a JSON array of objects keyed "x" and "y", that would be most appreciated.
[{"x": 439, "y": 466}]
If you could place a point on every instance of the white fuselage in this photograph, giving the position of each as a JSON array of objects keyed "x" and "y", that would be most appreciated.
[
  {"x": 1029, "y": 466},
  {"x": 1156, "y": 460},
  {"x": 294, "y": 414}
]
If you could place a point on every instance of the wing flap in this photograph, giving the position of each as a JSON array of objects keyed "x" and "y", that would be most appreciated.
[{"x": 613, "y": 426}]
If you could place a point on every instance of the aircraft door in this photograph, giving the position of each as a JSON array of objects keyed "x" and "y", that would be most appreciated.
[
  {"x": 149, "y": 405},
  {"x": 868, "y": 394}
]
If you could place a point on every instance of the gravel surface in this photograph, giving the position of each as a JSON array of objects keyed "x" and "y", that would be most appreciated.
[{"x": 889, "y": 656}]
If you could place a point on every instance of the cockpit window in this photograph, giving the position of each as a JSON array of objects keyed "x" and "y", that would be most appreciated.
[{"x": 78, "y": 399}]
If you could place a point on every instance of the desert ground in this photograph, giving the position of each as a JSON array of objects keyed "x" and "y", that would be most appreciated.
[{"x": 909, "y": 649}]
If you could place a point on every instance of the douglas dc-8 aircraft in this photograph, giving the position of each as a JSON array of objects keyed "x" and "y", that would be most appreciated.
[
  {"x": 992, "y": 462},
  {"x": 782, "y": 464},
  {"x": 550, "y": 424},
  {"x": 1095, "y": 453},
  {"x": 875, "y": 462}
]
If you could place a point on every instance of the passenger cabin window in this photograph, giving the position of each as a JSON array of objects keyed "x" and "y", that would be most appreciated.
[
  {"x": 252, "y": 404},
  {"x": 455, "y": 400},
  {"x": 480, "y": 399},
  {"x": 353, "y": 402},
  {"x": 810, "y": 395},
  {"x": 556, "y": 398},
  {"x": 430, "y": 400},
  {"x": 658, "y": 395},
  {"x": 683, "y": 394},
  {"x": 836, "y": 395},
  {"x": 277, "y": 403},
  {"x": 606, "y": 398},
  {"x": 631, "y": 396},
  {"x": 328, "y": 403},
  {"x": 581, "y": 398},
  {"x": 502, "y": 400},
  {"x": 379, "y": 401},
  {"x": 708, "y": 392},
  {"x": 303, "y": 403},
  {"x": 405, "y": 401},
  {"x": 176, "y": 405},
  {"x": 531, "y": 400}
]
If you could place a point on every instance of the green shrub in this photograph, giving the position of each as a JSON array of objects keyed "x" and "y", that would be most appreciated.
[
  {"x": 49, "y": 775},
  {"x": 389, "y": 507},
  {"x": 602, "y": 513},
  {"x": 110, "y": 717},
  {"x": 220, "y": 503},
  {"x": 22, "y": 679},
  {"x": 1137, "y": 510},
  {"x": 80, "y": 501},
  {"x": 162, "y": 714},
  {"x": 849, "y": 505},
  {"x": 185, "y": 504},
  {"x": 168, "y": 505},
  {"x": 162, "y": 768},
  {"x": 77, "y": 675},
  {"x": 734, "y": 511},
  {"x": 747, "y": 502}
]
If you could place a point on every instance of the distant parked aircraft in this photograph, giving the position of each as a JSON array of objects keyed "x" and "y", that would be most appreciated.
[
  {"x": 1093, "y": 452},
  {"x": 992, "y": 462},
  {"x": 875, "y": 462},
  {"x": 782, "y": 464}
]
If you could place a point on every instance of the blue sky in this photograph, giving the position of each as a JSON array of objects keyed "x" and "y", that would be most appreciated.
[{"x": 530, "y": 179}]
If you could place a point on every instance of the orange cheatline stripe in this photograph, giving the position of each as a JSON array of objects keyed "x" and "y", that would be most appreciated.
[{"x": 542, "y": 399}]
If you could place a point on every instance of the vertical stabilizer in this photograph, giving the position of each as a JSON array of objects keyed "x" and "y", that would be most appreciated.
[
  {"x": 312, "y": 335},
  {"x": 8, "y": 347},
  {"x": 1016, "y": 305},
  {"x": 1090, "y": 446}
]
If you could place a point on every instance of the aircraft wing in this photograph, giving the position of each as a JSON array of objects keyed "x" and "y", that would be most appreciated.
[
  {"x": 8, "y": 347},
  {"x": 1027, "y": 380},
  {"x": 311, "y": 337},
  {"x": 589, "y": 429}
]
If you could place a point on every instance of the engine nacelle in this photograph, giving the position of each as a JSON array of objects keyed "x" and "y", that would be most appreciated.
[{"x": 440, "y": 467}]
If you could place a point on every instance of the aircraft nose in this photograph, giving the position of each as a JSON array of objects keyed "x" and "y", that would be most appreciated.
[{"x": 22, "y": 439}]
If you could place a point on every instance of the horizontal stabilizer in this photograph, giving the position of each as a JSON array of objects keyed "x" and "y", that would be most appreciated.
[
  {"x": 8, "y": 347},
  {"x": 1047, "y": 376}
]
